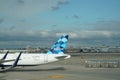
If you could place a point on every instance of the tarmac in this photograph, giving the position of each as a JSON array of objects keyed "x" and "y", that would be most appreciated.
[{"x": 70, "y": 69}]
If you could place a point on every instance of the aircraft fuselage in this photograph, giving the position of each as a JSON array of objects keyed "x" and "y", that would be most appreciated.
[{"x": 34, "y": 59}]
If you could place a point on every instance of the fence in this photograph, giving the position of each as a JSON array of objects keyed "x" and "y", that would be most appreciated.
[{"x": 102, "y": 63}]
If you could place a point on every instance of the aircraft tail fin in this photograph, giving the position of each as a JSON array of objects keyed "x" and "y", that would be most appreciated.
[{"x": 60, "y": 46}]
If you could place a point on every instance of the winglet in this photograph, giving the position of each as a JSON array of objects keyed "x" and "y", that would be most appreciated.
[{"x": 60, "y": 46}]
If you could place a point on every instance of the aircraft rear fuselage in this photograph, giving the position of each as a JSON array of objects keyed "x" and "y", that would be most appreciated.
[{"x": 33, "y": 59}]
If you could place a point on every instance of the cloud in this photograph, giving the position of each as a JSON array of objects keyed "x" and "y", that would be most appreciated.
[
  {"x": 63, "y": 2},
  {"x": 59, "y": 4},
  {"x": 27, "y": 8},
  {"x": 54, "y": 8},
  {"x": 27, "y": 13},
  {"x": 30, "y": 7},
  {"x": 12, "y": 28},
  {"x": 109, "y": 25},
  {"x": 96, "y": 34},
  {"x": 1, "y": 20},
  {"x": 99, "y": 30},
  {"x": 75, "y": 16},
  {"x": 29, "y": 20},
  {"x": 43, "y": 38},
  {"x": 83, "y": 34},
  {"x": 21, "y": 1}
]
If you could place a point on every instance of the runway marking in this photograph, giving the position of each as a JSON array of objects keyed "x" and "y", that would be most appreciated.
[
  {"x": 34, "y": 79},
  {"x": 56, "y": 76}
]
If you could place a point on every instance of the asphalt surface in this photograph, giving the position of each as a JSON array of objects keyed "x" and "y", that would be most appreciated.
[{"x": 71, "y": 69}]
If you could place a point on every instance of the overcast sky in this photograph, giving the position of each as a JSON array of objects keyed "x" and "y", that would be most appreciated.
[{"x": 39, "y": 22}]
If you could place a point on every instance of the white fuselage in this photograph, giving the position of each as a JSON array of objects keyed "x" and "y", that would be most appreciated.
[{"x": 33, "y": 59}]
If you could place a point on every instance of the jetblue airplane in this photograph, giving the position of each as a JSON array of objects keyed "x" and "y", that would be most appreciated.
[{"x": 56, "y": 53}]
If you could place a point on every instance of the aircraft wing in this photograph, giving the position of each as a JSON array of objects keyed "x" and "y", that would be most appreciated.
[
  {"x": 3, "y": 61},
  {"x": 14, "y": 64}
]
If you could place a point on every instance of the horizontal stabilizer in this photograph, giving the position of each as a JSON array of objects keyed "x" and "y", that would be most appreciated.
[
  {"x": 61, "y": 57},
  {"x": 4, "y": 61}
]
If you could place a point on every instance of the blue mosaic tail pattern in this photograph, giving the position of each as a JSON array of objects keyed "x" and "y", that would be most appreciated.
[{"x": 60, "y": 46}]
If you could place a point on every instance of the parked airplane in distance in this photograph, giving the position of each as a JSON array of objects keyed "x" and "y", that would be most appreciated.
[{"x": 56, "y": 53}]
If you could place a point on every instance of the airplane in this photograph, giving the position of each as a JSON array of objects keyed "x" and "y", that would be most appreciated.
[{"x": 56, "y": 53}]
